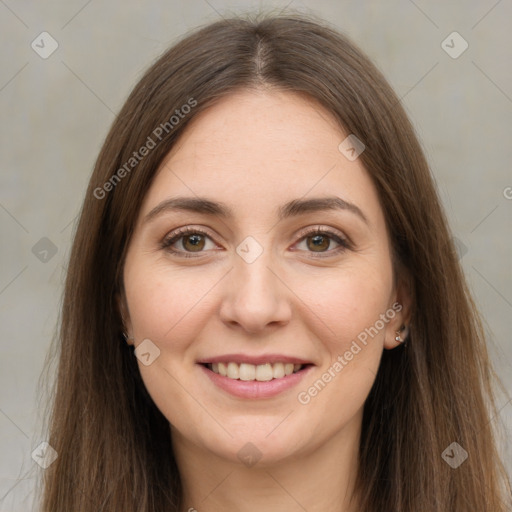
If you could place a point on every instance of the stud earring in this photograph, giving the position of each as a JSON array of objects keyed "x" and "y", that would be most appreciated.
[
  {"x": 399, "y": 338},
  {"x": 127, "y": 338}
]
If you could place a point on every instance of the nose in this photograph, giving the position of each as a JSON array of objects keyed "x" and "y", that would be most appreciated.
[{"x": 256, "y": 297}]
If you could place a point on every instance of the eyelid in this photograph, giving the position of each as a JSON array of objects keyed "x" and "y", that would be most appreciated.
[{"x": 318, "y": 228}]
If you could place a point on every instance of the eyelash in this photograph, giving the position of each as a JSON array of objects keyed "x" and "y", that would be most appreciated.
[{"x": 182, "y": 232}]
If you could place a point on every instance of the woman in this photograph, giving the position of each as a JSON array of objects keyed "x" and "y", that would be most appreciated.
[{"x": 264, "y": 308}]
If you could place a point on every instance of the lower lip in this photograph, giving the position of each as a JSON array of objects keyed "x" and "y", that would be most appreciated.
[{"x": 253, "y": 388}]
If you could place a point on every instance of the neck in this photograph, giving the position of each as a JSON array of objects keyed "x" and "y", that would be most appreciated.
[{"x": 320, "y": 479}]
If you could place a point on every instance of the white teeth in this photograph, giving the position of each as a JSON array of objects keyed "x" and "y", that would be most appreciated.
[
  {"x": 223, "y": 369},
  {"x": 260, "y": 372},
  {"x": 278, "y": 370},
  {"x": 264, "y": 372},
  {"x": 247, "y": 371},
  {"x": 233, "y": 371}
]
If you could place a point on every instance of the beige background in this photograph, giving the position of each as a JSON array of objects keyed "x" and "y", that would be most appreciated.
[{"x": 56, "y": 112}]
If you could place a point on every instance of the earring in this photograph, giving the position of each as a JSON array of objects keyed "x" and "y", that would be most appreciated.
[
  {"x": 398, "y": 337},
  {"x": 127, "y": 338}
]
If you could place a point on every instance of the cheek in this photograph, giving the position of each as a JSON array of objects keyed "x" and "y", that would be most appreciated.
[
  {"x": 163, "y": 302},
  {"x": 168, "y": 307},
  {"x": 353, "y": 306},
  {"x": 347, "y": 301}
]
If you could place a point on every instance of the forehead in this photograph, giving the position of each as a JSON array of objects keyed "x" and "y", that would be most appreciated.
[
  {"x": 260, "y": 126},
  {"x": 261, "y": 149}
]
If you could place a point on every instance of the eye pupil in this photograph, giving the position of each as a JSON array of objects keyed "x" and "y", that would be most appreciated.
[
  {"x": 317, "y": 241},
  {"x": 196, "y": 240}
]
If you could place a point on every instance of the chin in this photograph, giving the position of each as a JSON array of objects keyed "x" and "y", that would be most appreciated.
[{"x": 258, "y": 448}]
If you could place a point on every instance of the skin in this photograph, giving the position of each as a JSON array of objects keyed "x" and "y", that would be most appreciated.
[{"x": 254, "y": 151}]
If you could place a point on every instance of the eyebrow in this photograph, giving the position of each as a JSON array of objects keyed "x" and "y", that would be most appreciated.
[{"x": 293, "y": 208}]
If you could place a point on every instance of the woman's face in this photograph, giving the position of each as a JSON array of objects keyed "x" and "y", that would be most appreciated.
[{"x": 253, "y": 289}]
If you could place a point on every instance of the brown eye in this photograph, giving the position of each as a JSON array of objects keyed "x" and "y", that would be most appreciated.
[
  {"x": 322, "y": 242},
  {"x": 318, "y": 243},
  {"x": 187, "y": 242},
  {"x": 194, "y": 242}
]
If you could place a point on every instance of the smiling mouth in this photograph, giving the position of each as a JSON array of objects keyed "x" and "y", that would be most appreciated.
[{"x": 250, "y": 372}]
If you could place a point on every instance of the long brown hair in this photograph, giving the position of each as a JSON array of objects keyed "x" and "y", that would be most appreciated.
[{"x": 113, "y": 444}]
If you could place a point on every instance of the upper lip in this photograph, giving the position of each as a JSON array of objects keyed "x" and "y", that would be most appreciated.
[{"x": 255, "y": 360}]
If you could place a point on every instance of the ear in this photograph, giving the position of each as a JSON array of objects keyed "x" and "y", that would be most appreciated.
[
  {"x": 402, "y": 306},
  {"x": 125, "y": 316}
]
